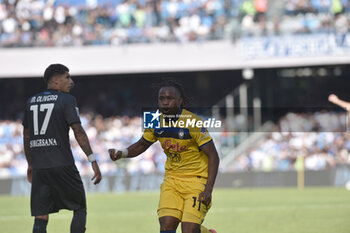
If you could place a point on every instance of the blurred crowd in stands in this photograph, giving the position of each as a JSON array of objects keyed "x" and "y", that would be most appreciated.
[
  {"x": 114, "y": 132},
  {"x": 319, "y": 138},
  {"x": 102, "y": 133},
  {"x": 27, "y": 23}
]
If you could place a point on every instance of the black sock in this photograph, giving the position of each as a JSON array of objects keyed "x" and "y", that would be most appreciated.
[
  {"x": 78, "y": 221},
  {"x": 39, "y": 225}
]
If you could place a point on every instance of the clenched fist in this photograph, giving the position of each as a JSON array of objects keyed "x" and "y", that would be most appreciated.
[{"x": 114, "y": 154}]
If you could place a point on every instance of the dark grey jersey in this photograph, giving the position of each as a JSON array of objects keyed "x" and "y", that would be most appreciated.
[{"x": 48, "y": 117}]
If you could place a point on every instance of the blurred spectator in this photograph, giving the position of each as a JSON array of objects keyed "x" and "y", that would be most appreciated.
[
  {"x": 26, "y": 23},
  {"x": 40, "y": 23},
  {"x": 320, "y": 138}
]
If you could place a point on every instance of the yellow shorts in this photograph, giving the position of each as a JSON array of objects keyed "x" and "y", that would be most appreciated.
[{"x": 179, "y": 199}]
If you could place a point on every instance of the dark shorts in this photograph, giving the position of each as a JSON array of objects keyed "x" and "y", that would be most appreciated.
[{"x": 56, "y": 188}]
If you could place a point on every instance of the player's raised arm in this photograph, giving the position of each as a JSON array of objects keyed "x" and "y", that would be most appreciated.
[
  {"x": 132, "y": 151},
  {"x": 83, "y": 141},
  {"x": 341, "y": 103},
  {"x": 213, "y": 165}
]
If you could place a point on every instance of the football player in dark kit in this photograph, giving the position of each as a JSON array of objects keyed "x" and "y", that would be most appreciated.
[{"x": 56, "y": 182}]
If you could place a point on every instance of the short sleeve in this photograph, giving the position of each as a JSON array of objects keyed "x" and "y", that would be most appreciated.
[
  {"x": 71, "y": 111},
  {"x": 201, "y": 137},
  {"x": 149, "y": 136}
]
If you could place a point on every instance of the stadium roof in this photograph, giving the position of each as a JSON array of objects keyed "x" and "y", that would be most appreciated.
[{"x": 144, "y": 58}]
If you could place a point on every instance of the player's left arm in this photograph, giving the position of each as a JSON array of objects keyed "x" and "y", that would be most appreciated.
[
  {"x": 213, "y": 166},
  {"x": 26, "y": 153}
]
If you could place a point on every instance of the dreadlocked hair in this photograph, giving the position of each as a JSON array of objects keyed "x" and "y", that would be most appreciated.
[{"x": 170, "y": 82}]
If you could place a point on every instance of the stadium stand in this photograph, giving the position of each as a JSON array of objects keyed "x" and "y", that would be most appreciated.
[
  {"x": 317, "y": 137},
  {"x": 28, "y": 23}
]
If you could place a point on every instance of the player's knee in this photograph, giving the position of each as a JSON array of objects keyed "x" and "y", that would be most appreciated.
[
  {"x": 168, "y": 224},
  {"x": 187, "y": 227},
  {"x": 79, "y": 221},
  {"x": 164, "y": 228}
]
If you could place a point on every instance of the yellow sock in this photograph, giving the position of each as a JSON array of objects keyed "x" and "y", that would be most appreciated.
[{"x": 204, "y": 230}]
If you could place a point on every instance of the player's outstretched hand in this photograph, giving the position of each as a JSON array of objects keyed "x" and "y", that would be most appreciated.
[
  {"x": 97, "y": 173},
  {"x": 205, "y": 197},
  {"x": 29, "y": 174},
  {"x": 333, "y": 98},
  {"x": 114, "y": 154}
]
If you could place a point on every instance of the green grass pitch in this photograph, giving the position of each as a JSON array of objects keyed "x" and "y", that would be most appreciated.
[{"x": 312, "y": 210}]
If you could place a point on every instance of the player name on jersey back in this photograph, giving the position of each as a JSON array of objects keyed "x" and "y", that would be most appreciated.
[
  {"x": 43, "y": 98},
  {"x": 43, "y": 142}
]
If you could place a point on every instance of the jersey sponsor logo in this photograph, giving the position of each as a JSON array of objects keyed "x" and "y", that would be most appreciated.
[
  {"x": 174, "y": 157},
  {"x": 175, "y": 147},
  {"x": 43, "y": 142}
]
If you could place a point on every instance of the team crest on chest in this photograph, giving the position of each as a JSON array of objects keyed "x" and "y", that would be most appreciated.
[{"x": 181, "y": 133}]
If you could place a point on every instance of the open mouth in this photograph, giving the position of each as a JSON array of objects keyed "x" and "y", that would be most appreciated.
[{"x": 165, "y": 110}]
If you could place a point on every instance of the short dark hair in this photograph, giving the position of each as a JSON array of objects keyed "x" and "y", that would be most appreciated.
[
  {"x": 53, "y": 70},
  {"x": 170, "y": 82}
]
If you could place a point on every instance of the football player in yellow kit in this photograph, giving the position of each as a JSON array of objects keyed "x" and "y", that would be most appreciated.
[{"x": 191, "y": 166}]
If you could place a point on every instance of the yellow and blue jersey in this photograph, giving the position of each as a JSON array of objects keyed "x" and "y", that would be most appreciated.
[{"x": 182, "y": 145}]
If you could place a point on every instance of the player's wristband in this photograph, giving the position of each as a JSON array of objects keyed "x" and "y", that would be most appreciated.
[
  {"x": 91, "y": 158},
  {"x": 125, "y": 153}
]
